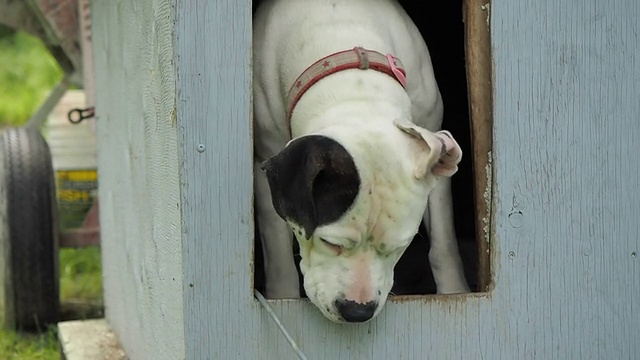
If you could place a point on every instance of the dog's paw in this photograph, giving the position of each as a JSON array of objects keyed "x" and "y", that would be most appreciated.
[
  {"x": 454, "y": 288},
  {"x": 282, "y": 292}
]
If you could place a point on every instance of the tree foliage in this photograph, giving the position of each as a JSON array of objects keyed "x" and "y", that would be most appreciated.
[{"x": 27, "y": 73}]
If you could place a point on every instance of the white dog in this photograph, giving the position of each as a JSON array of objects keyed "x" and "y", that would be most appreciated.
[{"x": 347, "y": 154}]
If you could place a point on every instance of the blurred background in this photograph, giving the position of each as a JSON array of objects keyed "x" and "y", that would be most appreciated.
[{"x": 28, "y": 74}]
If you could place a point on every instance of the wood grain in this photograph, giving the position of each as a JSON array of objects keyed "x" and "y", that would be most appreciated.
[
  {"x": 565, "y": 203},
  {"x": 479, "y": 72},
  {"x": 138, "y": 169},
  {"x": 213, "y": 57}
]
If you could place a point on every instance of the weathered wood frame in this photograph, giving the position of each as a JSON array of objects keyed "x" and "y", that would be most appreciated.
[
  {"x": 221, "y": 125},
  {"x": 479, "y": 81}
]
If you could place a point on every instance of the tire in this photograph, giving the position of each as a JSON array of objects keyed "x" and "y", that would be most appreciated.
[{"x": 29, "y": 287}]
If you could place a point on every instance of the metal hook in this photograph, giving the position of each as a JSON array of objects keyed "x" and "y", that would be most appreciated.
[{"x": 77, "y": 115}]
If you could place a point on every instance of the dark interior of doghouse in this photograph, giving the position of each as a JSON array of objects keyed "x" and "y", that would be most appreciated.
[{"x": 442, "y": 27}]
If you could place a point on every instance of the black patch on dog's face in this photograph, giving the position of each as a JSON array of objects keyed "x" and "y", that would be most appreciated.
[{"x": 313, "y": 181}]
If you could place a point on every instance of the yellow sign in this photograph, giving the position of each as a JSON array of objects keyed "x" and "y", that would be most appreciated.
[
  {"x": 76, "y": 190},
  {"x": 78, "y": 175}
]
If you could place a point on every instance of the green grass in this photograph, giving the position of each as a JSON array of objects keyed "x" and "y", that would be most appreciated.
[
  {"x": 80, "y": 280},
  {"x": 29, "y": 347},
  {"x": 80, "y": 274}
]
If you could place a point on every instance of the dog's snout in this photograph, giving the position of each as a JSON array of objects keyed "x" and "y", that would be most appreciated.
[{"x": 354, "y": 312}]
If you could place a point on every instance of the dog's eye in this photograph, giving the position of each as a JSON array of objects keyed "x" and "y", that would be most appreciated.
[{"x": 333, "y": 247}]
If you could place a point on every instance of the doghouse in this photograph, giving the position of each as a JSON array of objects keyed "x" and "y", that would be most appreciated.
[{"x": 547, "y": 197}]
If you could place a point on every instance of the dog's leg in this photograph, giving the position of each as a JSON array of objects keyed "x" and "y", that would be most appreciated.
[
  {"x": 443, "y": 254},
  {"x": 281, "y": 274}
]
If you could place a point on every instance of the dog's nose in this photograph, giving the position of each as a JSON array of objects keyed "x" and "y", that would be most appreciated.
[{"x": 354, "y": 312}]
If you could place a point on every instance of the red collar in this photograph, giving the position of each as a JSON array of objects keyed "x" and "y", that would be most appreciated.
[{"x": 356, "y": 58}]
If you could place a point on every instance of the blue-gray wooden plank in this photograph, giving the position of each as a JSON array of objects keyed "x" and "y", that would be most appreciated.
[
  {"x": 212, "y": 56},
  {"x": 565, "y": 226},
  {"x": 567, "y": 84}
]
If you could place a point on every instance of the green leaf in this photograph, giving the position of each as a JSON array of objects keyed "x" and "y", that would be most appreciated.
[{"x": 28, "y": 72}]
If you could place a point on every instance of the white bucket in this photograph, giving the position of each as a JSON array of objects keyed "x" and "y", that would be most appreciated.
[{"x": 74, "y": 156}]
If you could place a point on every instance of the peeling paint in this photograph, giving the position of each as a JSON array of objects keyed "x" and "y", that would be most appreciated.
[
  {"x": 439, "y": 298},
  {"x": 487, "y": 7},
  {"x": 486, "y": 195}
]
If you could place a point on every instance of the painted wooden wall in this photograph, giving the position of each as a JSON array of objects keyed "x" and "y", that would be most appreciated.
[
  {"x": 565, "y": 224},
  {"x": 138, "y": 169}
]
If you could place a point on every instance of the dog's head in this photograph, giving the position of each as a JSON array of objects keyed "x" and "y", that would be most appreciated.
[{"x": 354, "y": 205}]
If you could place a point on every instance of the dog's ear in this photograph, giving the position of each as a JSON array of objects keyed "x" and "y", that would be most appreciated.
[
  {"x": 438, "y": 152},
  {"x": 313, "y": 181}
]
